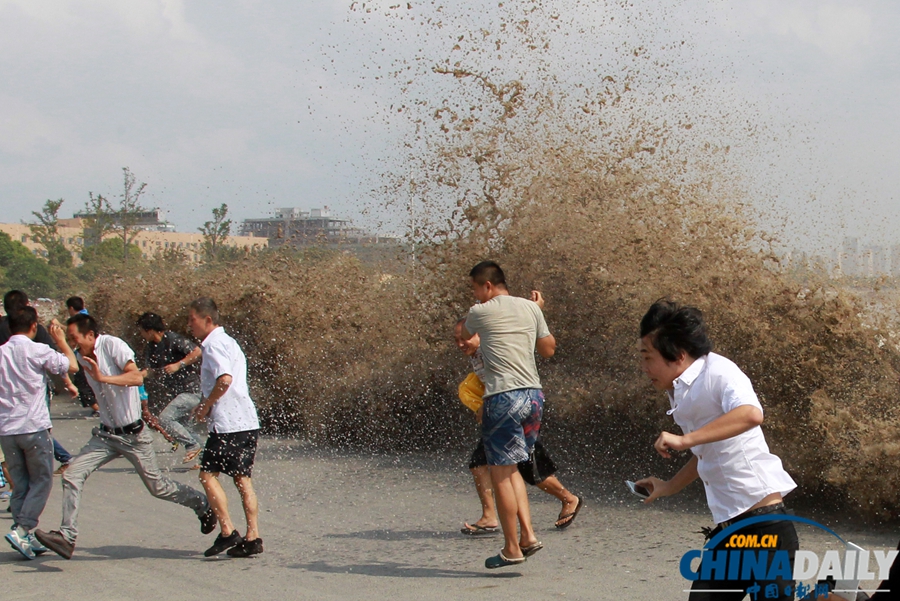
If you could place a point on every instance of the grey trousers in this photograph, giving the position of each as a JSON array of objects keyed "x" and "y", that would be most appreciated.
[
  {"x": 136, "y": 448},
  {"x": 29, "y": 459},
  {"x": 175, "y": 419}
]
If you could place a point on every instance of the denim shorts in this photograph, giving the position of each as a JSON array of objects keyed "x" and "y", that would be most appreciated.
[{"x": 511, "y": 424}]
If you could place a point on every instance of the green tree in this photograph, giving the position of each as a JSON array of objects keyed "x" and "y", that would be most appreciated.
[
  {"x": 99, "y": 219},
  {"x": 23, "y": 271},
  {"x": 103, "y": 219},
  {"x": 128, "y": 215},
  {"x": 46, "y": 233},
  {"x": 106, "y": 257},
  {"x": 215, "y": 233}
]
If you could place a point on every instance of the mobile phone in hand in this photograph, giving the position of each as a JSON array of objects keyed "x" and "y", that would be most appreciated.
[{"x": 637, "y": 489}]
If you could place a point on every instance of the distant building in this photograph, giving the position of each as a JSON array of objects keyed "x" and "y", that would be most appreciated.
[
  {"x": 895, "y": 260},
  {"x": 848, "y": 258},
  {"x": 150, "y": 220},
  {"x": 296, "y": 227}
]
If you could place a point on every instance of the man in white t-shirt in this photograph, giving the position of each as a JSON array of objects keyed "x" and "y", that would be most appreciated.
[
  {"x": 715, "y": 405},
  {"x": 230, "y": 414},
  {"x": 511, "y": 329},
  {"x": 25, "y": 421},
  {"x": 109, "y": 366}
]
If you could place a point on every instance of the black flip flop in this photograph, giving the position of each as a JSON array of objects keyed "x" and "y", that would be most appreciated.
[
  {"x": 570, "y": 517},
  {"x": 477, "y": 530}
]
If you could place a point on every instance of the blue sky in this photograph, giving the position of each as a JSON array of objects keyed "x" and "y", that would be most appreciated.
[{"x": 264, "y": 105}]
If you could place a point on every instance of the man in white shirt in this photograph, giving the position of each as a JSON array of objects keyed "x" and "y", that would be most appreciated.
[
  {"x": 715, "y": 405},
  {"x": 511, "y": 329},
  {"x": 109, "y": 366},
  {"x": 25, "y": 421},
  {"x": 233, "y": 429}
]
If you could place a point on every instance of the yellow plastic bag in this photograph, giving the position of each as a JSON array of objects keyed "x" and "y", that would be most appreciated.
[{"x": 470, "y": 392}]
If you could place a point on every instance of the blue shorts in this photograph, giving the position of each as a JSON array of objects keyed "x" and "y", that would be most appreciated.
[{"x": 511, "y": 424}]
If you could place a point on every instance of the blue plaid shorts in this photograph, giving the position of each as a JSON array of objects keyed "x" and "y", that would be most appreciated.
[{"x": 511, "y": 424}]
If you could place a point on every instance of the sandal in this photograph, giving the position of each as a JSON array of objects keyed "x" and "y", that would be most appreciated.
[
  {"x": 476, "y": 530},
  {"x": 532, "y": 549},
  {"x": 501, "y": 561},
  {"x": 564, "y": 521},
  {"x": 191, "y": 455}
]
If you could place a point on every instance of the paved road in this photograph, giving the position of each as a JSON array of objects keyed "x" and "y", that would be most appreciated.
[{"x": 347, "y": 526}]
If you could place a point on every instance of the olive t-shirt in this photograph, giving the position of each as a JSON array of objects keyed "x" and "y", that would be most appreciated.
[{"x": 508, "y": 326}]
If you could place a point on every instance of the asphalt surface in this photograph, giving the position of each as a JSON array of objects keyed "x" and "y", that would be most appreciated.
[{"x": 350, "y": 526}]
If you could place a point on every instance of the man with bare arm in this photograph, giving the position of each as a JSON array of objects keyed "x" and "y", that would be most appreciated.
[
  {"x": 109, "y": 365},
  {"x": 539, "y": 470},
  {"x": 511, "y": 329},
  {"x": 230, "y": 414}
]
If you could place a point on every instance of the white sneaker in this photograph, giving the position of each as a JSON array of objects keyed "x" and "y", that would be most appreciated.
[
  {"x": 36, "y": 547},
  {"x": 22, "y": 545}
]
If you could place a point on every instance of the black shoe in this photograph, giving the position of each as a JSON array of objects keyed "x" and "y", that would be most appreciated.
[
  {"x": 56, "y": 542},
  {"x": 208, "y": 522},
  {"x": 222, "y": 543},
  {"x": 246, "y": 548}
]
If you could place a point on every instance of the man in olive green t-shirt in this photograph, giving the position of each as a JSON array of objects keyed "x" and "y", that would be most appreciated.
[{"x": 511, "y": 329}]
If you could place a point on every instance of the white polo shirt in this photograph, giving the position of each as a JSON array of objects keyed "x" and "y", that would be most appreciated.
[
  {"x": 119, "y": 405},
  {"x": 24, "y": 365},
  {"x": 234, "y": 411},
  {"x": 737, "y": 472}
]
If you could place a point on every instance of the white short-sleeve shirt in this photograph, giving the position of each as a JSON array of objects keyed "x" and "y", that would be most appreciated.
[
  {"x": 24, "y": 365},
  {"x": 119, "y": 405},
  {"x": 234, "y": 411},
  {"x": 737, "y": 472}
]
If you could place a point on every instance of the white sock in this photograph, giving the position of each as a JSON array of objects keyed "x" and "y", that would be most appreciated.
[{"x": 21, "y": 532}]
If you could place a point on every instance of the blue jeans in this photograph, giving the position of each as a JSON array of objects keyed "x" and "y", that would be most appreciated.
[
  {"x": 176, "y": 419},
  {"x": 61, "y": 455}
]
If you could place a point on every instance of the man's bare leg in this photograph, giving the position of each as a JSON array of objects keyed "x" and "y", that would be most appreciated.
[
  {"x": 251, "y": 506},
  {"x": 554, "y": 487},
  {"x": 215, "y": 494},
  {"x": 482, "y": 477},
  {"x": 507, "y": 482},
  {"x": 523, "y": 512}
]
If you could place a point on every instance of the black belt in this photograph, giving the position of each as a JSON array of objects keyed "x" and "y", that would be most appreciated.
[
  {"x": 132, "y": 428},
  {"x": 775, "y": 508}
]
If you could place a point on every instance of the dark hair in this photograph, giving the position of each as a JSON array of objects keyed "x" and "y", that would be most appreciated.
[
  {"x": 13, "y": 300},
  {"x": 206, "y": 307},
  {"x": 674, "y": 329},
  {"x": 84, "y": 323},
  {"x": 76, "y": 303},
  {"x": 488, "y": 271},
  {"x": 151, "y": 321},
  {"x": 21, "y": 320}
]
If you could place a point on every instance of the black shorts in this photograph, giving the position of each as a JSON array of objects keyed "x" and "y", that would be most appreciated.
[
  {"x": 538, "y": 466},
  {"x": 231, "y": 453}
]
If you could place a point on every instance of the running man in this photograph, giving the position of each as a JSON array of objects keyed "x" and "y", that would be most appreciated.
[
  {"x": 109, "y": 365},
  {"x": 25, "y": 421},
  {"x": 173, "y": 358},
  {"x": 538, "y": 471},
  {"x": 511, "y": 329},
  {"x": 233, "y": 429},
  {"x": 715, "y": 405}
]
